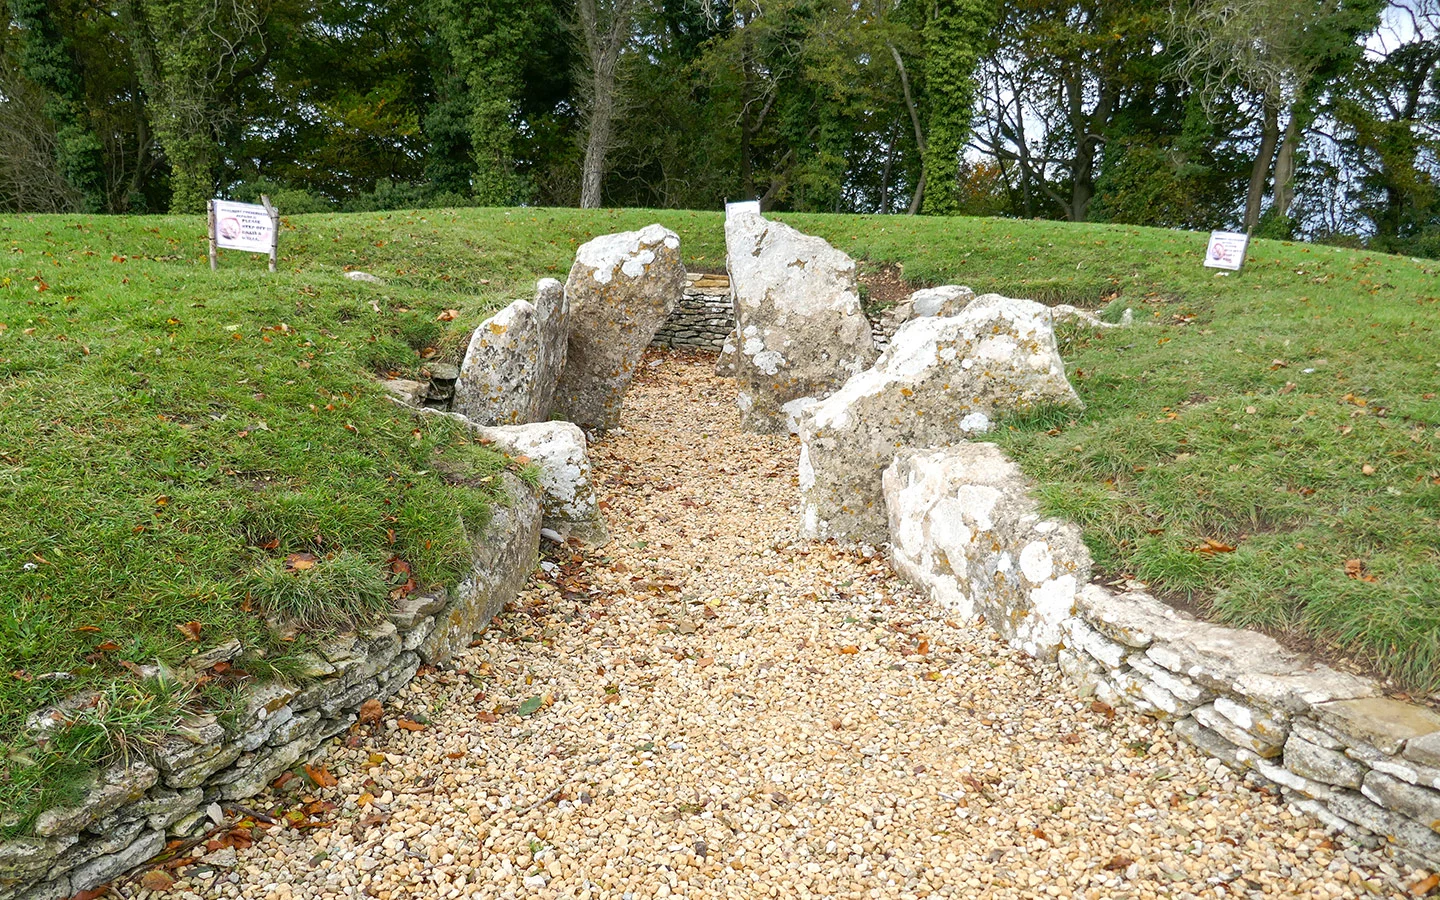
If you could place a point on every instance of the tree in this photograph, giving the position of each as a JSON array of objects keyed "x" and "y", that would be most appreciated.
[
  {"x": 1275, "y": 55},
  {"x": 957, "y": 33},
  {"x": 606, "y": 29}
]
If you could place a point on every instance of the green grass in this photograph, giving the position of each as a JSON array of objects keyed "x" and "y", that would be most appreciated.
[{"x": 169, "y": 435}]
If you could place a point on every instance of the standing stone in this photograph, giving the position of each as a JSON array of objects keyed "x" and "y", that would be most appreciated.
[
  {"x": 514, "y": 360},
  {"x": 621, "y": 289},
  {"x": 557, "y": 450},
  {"x": 939, "y": 382},
  {"x": 800, "y": 330}
]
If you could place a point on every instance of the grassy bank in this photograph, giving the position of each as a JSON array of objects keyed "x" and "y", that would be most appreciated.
[{"x": 1262, "y": 445}]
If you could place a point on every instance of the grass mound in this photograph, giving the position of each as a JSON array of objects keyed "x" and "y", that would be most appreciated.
[{"x": 176, "y": 444}]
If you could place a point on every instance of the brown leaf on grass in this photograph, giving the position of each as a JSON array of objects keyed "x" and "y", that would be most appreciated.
[
  {"x": 191, "y": 630},
  {"x": 321, "y": 776},
  {"x": 1118, "y": 862},
  {"x": 1355, "y": 568},
  {"x": 157, "y": 880},
  {"x": 1367, "y": 470},
  {"x": 1213, "y": 546},
  {"x": 86, "y": 629},
  {"x": 448, "y": 315},
  {"x": 299, "y": 562}
]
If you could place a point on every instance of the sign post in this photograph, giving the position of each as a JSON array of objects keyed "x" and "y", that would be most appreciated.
[
  {"x": 1227, "y": 250},
  {"x": 251, "y": 227}
]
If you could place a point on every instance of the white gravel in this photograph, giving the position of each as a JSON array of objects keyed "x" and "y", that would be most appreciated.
[{"x": 730, "y": 712}]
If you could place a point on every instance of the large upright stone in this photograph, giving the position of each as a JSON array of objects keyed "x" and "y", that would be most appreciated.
[
  {"x": 502, "y": 558},
  {"x": 800, "y": 330},
  {"x": 514, "y": 360},
  {"x": 621, "y": 289},
  {"x": 940, "y": 381},
  {"x": 557, "y": 450},
  {"x": 964, "y": 528}
]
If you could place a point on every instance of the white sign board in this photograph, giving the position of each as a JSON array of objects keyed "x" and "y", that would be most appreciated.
[
  {"x": 243, "y": 226},
  {"x": 743, "y": 206},
  {"x": 1226, "y": 250}
]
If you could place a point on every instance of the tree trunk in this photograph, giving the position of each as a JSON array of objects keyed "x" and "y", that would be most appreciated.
[
  {"x": 915, "y": 122},
  {"x": 885, "y": 174},
  {"x": 597, "y": 145},
  {"x": 1269, "y": 137},
  {"x": 1285, "y": 166}
]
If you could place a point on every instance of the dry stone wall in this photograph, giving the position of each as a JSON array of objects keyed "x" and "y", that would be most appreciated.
[
  {"x": 703, "y": 317},
  {"x": 965, "y": 529},
  {"x": 130, "y": 810}
]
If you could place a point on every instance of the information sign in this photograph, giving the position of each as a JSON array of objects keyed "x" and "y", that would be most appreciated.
[
  {"x": 743, "y": 206},
  {"x": 251, "y": 227},
  {"x": 1226, "y": 250}
]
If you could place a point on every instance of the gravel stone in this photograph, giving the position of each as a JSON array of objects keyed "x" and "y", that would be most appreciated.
[{"x": 817, "y": 730}]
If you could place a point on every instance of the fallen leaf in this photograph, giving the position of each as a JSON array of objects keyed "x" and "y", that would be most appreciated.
[
  {"x": 1424, "y": 886},
  {"x": 530, "y": 706},
  {"x": 408, "y": 725},
  {"x": 1367, "y": 469},
  {"x": 1103, "y": 708},
  {"x": 448, "y": 315},
  {"x": 489, "y": 718},
  {"x": 365, "y": 799},
  {"x": 1119, "y": 862},
  {"x": 157, "y": 880},
  {"x": 1213, "y": 546},
  {"x": 191, "y": 630},
  {"x": 849, "y": 649},
  {"x": 371, "y": 711},
  {"x": 299, "y": 562},
  {"x": 321, "y": 776}
]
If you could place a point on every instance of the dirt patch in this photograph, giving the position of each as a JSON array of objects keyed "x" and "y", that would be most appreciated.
[{"x": 884, "y": 286}]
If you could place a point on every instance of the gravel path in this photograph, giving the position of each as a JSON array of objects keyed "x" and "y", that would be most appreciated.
[{"x": 727, "y": 712}]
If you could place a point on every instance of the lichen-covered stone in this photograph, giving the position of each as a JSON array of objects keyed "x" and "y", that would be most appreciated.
[
  {"x": 1381, "y": 722},
  {"x": 946, "y": 300},
  {"x": 964, "y": 527},
  {"x": 557, "y": 450},
  {"x": 514, "y": 360},
  {"x": 1322, "y": 764},
  {"x": 939, "y": 382},
  {"x": 800, "y": 332},
  {"x": 1424, "y": 749},
  {"x": 621, "y": 289},
  {"x": 113, "y": 788},
  {"x": 1419, "y": 803},
  {"x": 502, "y": 558},
  {"x": 108, "y": 868}
]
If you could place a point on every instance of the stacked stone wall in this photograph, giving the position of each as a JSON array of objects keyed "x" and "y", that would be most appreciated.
[
  {"x": 964, "y": 527},
  {"x": 703, "y": 317},
  {"x": 185, "y": 786}
]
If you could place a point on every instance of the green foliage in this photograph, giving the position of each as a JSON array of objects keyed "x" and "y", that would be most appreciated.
[{"x": 956, "y": 35}]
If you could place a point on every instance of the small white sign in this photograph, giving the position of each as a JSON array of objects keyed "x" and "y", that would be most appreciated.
[
  {"x": 1226, "y": 250},
  {"x": 243, "y": 226},
  {"x": 742, "y": 207}
]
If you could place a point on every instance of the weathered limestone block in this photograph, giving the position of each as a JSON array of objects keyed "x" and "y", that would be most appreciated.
[
  {"x": 514, "y": 360},
  {"x": 947, "y": 300},
  {"x": 800, "y": 331},
  {"x": 113, "y": 788},
  {"x": 108, "y": 868},
  {"x": 1212, "y": 719},
  {"x": 1383, "y": 723},
  {"x": 1321, "y": 764},
  {"x": 503, "y": 556},
  {"x": 939, "y": 382},
  {"x": 406, "y": 391},
  {"x": 726, "y": 362},
  {"x": 24, "y": 860},
  {"x": 1424, "y": 749},
  {"x": 621, "y": 289},
  {"x": 557, "y": 449},
  {"x": 964, "y": 527},
  {"x": 1420, "y": 804}
]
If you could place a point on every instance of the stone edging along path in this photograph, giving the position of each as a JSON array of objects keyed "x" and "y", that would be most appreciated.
[
  {"x": 131, "y": 809},
  {"x": 965, "y": 529}
]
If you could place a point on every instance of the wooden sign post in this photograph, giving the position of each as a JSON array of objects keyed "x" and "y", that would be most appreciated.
[{"x": 251, "y": 227}]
